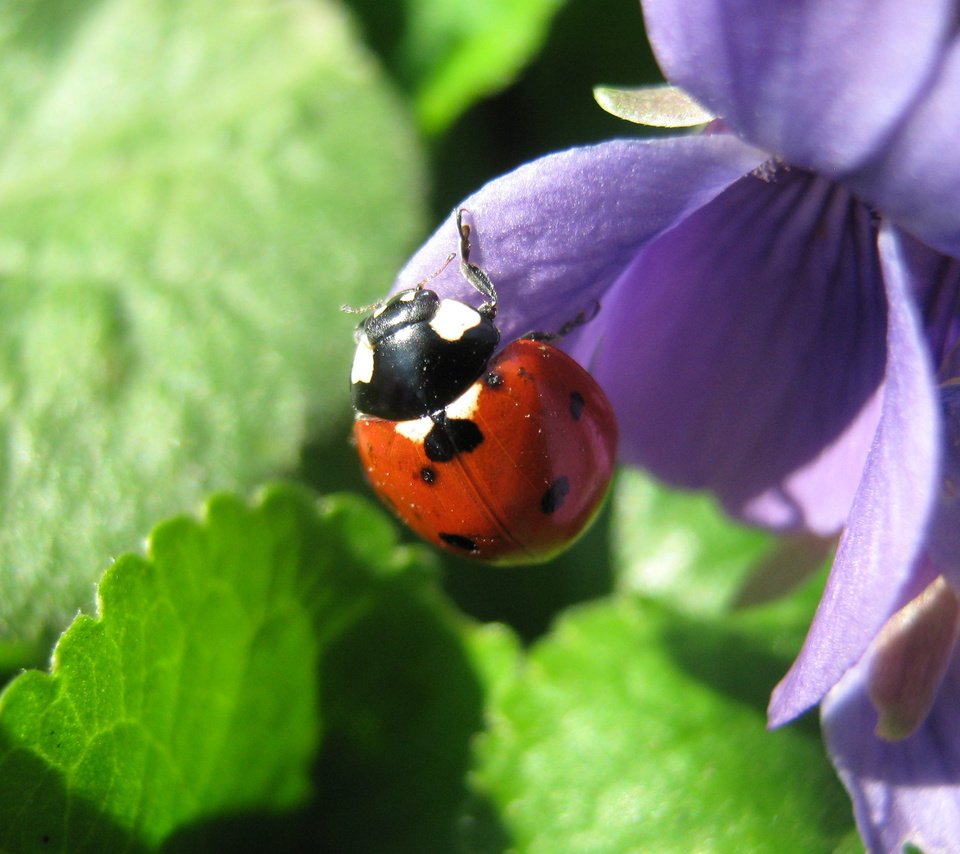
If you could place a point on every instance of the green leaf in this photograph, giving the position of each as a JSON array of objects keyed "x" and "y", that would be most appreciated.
[
  {"x": 194, "y": 694},
  {"x": 679, "y": 547},
  {"x": 189, "y": 714},
  {"x": 633, "y": 728},
  {"x": 451, "y": 53},
  {"x": 189, "y": 190},
  {"x": 461, "y": 51},
  {"x": 401, "y": 703}
]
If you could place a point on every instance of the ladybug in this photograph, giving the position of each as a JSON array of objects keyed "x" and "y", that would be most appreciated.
[{"x": 504, "y": 458}]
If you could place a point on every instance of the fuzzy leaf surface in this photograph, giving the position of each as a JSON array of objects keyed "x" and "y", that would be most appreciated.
[{"x": 188, "y": 193}]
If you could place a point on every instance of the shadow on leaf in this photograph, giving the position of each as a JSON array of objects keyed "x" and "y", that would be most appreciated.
[
  {"x": 529, "y": 598},
  {"x": 731, "y": 662},
  {"x": 399, "y": 703},
  {"x": 38, "y": 814}
]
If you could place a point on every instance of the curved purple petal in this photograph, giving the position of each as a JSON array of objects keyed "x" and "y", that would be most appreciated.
[
  {"x": 936, "y": 280},
  {"x": 554, "y": 234},
  {"x": 903, "y": 792},
  {"x": 917, "y": 181},
  {"x": 943, "y": 537},
  {"x": 884, "y": 534},
  {"x": 820, "y": 82},
  {"x": 744, "y": 349}
]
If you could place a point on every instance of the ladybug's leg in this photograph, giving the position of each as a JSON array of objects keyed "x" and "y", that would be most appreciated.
[
  {"x": 472, "y": 273},
  {"x": 581, "y": 319}
]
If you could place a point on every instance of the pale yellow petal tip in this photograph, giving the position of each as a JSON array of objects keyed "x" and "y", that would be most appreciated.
[
  {"x": 893, "y": 728},
  {"x": 654, "y": 106},
  {"x": 911, "y": 655}
]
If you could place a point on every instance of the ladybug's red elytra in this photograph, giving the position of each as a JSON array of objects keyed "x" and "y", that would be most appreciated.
[{"x": 504, "y": 458}]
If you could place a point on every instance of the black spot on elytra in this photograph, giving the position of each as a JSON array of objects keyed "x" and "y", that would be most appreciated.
[
  {"x": 449, "y": 437},
  {"x": 493, "y": 380},
  {"x": 458, "y": 541},
  {"x": 428, "y": 474},
  {"x": 576, "y": 405},
  {"x": 552, "y": 500}
]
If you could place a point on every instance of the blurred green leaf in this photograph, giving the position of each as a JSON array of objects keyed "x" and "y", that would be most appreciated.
[
  {"x": 188, "y": 192},
  {"x": 461, "y": 51},
  {"x": 633, "y": 728},
  {"x": 550, "y": 106},
  {"x": 680, "y": 548},
  {"x": 452, "y": 53}
]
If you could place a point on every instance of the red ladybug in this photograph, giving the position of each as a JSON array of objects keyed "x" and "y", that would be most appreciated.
[{"x": 502, "y": 458}]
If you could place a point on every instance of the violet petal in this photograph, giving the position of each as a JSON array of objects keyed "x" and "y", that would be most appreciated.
[
  {"x": 744, "y": 350},
  {"x": 820, "y": 82},
  {"x": 903, "y": 792},
  {"x": 917, "y": 181},
  {"x": 555, "y": 233},
  {"x": 890, "y": 512},
  {"x": 936, "y": 280},
  {"x": 943, "y": 536}
]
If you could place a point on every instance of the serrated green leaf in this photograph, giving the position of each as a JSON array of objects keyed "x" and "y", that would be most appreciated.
[
  {"x": 194, "y": 694},
  {"x": 188, "y": 192},
  {"x": 631, "y": 729},
  {"x": 188, "y": 714}
]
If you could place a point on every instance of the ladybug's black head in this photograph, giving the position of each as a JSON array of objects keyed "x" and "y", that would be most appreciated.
[
  {"x": 418, "y": 353},
  {"x": 407, "y": 308}
]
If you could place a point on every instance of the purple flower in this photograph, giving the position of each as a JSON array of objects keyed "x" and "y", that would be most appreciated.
[{"x": 779, "y": 318}]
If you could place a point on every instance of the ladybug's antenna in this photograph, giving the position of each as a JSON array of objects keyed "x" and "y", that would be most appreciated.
[
  {"x": 380, "y": 303},
  {"x": 362, "y": 309},
  {"x": 436, "y": 272},
  {"x": 472, "y": 273}
]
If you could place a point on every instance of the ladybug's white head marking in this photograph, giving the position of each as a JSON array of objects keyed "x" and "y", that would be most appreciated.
[
  {"x": 453, "y": 319},
  {"x": 362, "y": 370},
  {"x": 416, "y": 430},
  {"x": 465, "y": 406}
]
